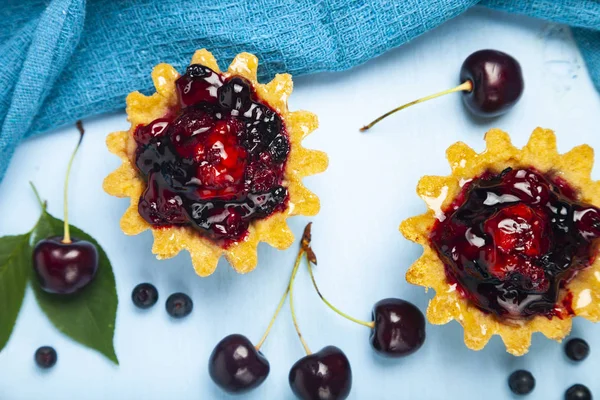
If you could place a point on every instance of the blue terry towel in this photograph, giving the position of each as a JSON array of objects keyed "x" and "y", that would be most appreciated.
[{"x": 62, "y": 60}]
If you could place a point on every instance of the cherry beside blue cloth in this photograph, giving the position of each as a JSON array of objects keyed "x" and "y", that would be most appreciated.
[{"x": 64, "y": 60}]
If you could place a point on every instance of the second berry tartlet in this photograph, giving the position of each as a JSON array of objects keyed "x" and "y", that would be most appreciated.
[
  {"x": 510, "y": 240},
  {"x": 213, "y": 163}
]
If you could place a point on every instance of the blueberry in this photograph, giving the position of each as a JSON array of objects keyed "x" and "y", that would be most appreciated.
[
  {"x": 521, "y": 382},
  {"x": 144, "y": 295},
  {"x": 45, "y": 357},
  {"x": 148, "y": 158},
  {"x": 179, "y": 305},
  {"x": 577, "y": 349},
  {"x": 279, "y": 149},
  {"x": 578, "y": 392},
  {"x": 271, "y": 126},
  {"x": 198, "y": 71},
  {"x": 235, "y": 95},
  {"x": 271, "y": 200},
  {"x": 279, "y": 194}
]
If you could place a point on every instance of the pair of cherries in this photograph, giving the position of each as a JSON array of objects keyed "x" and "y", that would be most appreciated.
[{"x": 397, "y": 330}]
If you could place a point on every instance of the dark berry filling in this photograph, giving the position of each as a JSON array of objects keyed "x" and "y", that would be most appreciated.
[
  {"x": 217, "y": 162},
  {"x": 511, "y": 241}
]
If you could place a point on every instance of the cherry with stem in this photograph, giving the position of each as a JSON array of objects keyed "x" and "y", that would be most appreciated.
[
  {"x": 491, "y": 82},
  {"x": 326, "y": 374},
  {"x": 235, "y": 365},
  {"x": 397, "y": 327},
  {"x": 65, "y": 265}
]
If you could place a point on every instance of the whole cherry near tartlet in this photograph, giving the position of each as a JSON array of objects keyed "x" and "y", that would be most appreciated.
[
  {"x": 65, "y": 265},
  {"x": 213, "y": 163},
  {"x": 397, "y": 326},
  {"x": 510, "y": 240},
  {"x": 236, "y": 366},
  {"x": 491, "y": 84},
  {"x": 323, "y": 375}
]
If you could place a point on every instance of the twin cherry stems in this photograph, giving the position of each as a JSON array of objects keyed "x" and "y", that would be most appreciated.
[{"x": 397, "y": 329}]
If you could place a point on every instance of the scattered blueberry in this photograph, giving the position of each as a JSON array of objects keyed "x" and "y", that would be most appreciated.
[
  {"x": 45, "y": 357},
  {"x": 578, "y": 392},
  {"x": 577, "y": 349},
  {"x": 144, "y": 295},
  {"x": 179, "y": 305},
  {"x": 521, "y": 382}
]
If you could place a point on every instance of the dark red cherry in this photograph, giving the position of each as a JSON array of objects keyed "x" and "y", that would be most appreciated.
[
  {"x": 236, "y": 366},
  {"x": 64, "y": 268},
  {"x": 497, "y": 82},
  {"x": 399, "y": 328},
  {"x": 324, "y": 375}
]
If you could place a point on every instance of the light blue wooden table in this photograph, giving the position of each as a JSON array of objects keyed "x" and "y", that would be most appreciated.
[{"x": 367, "y": 191}]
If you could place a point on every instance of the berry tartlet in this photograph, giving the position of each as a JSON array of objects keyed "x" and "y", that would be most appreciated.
[
  {"x": 213, "y": 163},
  {"x": 510, "y": 240}
]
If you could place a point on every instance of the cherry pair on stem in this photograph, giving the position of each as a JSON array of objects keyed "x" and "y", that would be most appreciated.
[{"x": 397, "y": 330}]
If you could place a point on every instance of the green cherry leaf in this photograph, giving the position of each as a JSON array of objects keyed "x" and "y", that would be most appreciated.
[
  {"x": 15, "y": 264},
  {"x": 88, "y": 316}
]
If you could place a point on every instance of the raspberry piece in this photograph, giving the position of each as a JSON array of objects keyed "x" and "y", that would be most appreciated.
[{"x": 517, "y": 229}]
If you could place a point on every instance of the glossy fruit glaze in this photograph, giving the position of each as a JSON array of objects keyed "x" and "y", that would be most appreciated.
[
  {"x": 511, "y": 241},
  {"x": 217, "y": 162}
]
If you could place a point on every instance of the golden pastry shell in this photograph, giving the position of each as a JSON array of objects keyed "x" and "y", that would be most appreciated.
[
  {"x": 205, "y": 254},
  {"x": 438, "y": 193}
]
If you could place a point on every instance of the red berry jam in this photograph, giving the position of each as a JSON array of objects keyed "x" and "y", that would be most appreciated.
[
  {"x": 216, "y": 163},
  {"x": 511, "y": 241}
]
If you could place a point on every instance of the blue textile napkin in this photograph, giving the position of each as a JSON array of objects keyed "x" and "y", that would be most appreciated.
[{"x": 63, "y": 60}]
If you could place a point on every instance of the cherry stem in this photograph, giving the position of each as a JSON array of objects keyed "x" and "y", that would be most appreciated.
[
  {"x": 334, "y": 308},
  {"x": 291, "y": 288},
  {"x": 67, "y": 233},
  {"x": 277, "y": 310},
  {"x": 43, "y": 204},
  {"x": 466, "y": 86}
]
